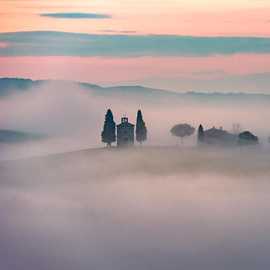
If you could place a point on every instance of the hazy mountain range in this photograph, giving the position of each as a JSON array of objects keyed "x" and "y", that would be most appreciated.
[{"x": 15, "y": 85}]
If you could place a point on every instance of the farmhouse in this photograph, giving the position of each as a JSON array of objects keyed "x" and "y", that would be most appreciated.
[{"x": 219, "y": 137}]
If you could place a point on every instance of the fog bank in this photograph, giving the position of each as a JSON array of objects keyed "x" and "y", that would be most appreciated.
[
  {"x": 72, "y": 116},
  {"x": 158, "y": 208}
]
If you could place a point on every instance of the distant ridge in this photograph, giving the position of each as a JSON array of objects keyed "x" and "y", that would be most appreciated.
[
  {"x": 7, "y": 85},
  {"x": 11, "y": 85},
  {"x": 13, "y": 136}
]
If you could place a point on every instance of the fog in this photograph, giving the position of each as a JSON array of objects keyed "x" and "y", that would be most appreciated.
[
  {"x": 160, "y": 206},
  {"x": 72, "y": 117},
  {"x": 146, "y": 208}
]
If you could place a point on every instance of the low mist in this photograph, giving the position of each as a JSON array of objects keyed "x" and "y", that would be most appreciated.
[
  {"x": 71, "y": 117},
  {"x": 144, "y": 208},
  {"x": 159, "y": 206}
]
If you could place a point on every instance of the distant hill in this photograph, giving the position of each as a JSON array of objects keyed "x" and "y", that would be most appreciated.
[
  {"x": 8, "y": 85},
  {"x": 11, "y": 85},
  {"x": 11, "y": 136}
]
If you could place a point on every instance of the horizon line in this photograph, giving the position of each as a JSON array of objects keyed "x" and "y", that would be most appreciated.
[{"x": 142, "y": 86}]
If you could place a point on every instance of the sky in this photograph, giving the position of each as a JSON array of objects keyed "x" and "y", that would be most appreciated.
[{"x": 180, "y": 45}]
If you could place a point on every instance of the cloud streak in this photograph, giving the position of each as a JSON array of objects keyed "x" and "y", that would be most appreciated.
[
  {"x": 76, "y": 15},
  {"x": 48, "y": 43}
]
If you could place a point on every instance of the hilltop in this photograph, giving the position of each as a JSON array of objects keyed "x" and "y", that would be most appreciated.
[{"x": 104, "y": 163}]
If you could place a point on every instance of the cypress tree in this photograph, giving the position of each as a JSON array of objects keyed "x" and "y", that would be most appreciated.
[
  {"x": 200, "y": 134},
  {"x": 108, "y": 133},
  {"x": 141, "y": 131}
]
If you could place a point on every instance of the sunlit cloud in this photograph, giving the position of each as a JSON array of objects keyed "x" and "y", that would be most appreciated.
[{"x": 111, "y": 31}]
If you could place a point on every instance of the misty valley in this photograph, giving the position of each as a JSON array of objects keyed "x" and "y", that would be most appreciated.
[
  {"x": 138, "y": 208},
  {"x": 69, "y": 202}
]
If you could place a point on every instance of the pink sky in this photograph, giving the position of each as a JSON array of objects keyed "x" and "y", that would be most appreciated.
[
  {"x": 109, "y": 71},
  {"x": 193, "y": 17},
  {"x": 92, "y": 69}
]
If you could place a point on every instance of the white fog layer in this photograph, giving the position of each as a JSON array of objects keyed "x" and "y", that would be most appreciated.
[
  {"x": 146, "y": 208},
  {"x": 68, "y": 202}
]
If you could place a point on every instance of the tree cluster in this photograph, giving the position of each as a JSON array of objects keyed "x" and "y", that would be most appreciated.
[{"x": 108, "y": 134}]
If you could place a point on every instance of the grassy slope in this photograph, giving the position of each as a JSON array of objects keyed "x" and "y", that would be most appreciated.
[{"x": 94, "y": 164}]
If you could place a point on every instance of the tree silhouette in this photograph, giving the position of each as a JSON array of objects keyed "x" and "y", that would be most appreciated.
[
  {"x": 182, "y": 130},
  {"x": 200, "y": 134},
  {"x": 141, "y": 131},
  {"x": 108, "y": 133}
]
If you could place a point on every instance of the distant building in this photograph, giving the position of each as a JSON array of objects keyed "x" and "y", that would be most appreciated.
[
  {"x": 247, "y": 138},
  {"x": 219, "y": 137},
  {"x": 125, "y": 133}
]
